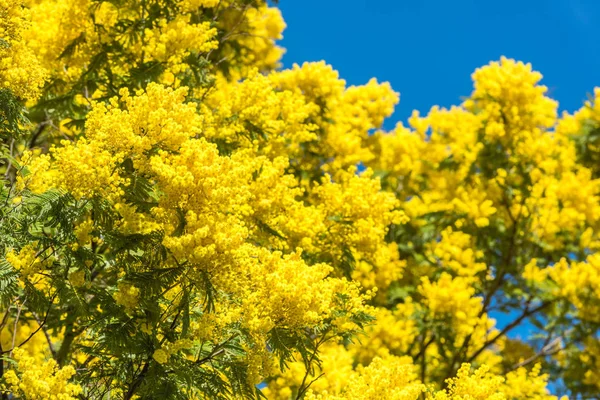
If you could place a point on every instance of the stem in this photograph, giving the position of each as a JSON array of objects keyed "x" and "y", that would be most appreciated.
[
  {"x": 14, "y": 336},
  {"x": 527, "y": 313},
  {"x": 302, "y": 389},
  {"x": 46, "y": 334},
  {"x": 38, "y": 131},
  {"x": 137, "y": 382},
  {"x": 4, "y": 394}
]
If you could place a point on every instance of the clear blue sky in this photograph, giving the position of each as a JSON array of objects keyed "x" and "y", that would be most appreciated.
[{"x": 428, "y": 49}]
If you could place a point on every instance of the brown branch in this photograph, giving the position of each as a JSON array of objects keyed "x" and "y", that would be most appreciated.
[
  {"x": 14, "y": 336},
  {"x": 219, "y": 349},
  {"x": 34, "y": 332},
  {"x": 38, "y": 131},
  {"x": 4, "y": 319},
  {"x": 548, "y": 350},
  {"x": 48, "y": 338},
  {"x": 497, "y": 284},
  {"x": 313, "y": 381},
  {"x": 137, "y": 382},
  {"x": 424, "y": 347},
  {"x": 527, "y": 313},
  {"x": 7, "y": 174},
  {"x": 302, "y": 389}
]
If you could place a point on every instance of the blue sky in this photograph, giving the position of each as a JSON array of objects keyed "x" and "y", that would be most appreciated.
[{"x": 428, "y": 49}]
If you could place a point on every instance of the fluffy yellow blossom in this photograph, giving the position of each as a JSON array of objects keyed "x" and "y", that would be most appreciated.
[
  {"x": 161, "y": 356},
  {"x": 127, "y": 295},
  {"x": 475, "y": 205},
  {"x": 390, "y": 378},
  {"x": 358, "y": 213},
  {"x": 131, "y": 125},
  {"x": 36, "y": 346},
  {"x": 511, "y": 102},
  {"x": 77, "y": 278},
  {"x": 450, "y": 295},
  {"x": 577, "y": 281},
  {"x": 84, "y": 169},
  {"x": 55, "y": 25},
  {"x": 25, "y": 261},
  {"x": 255, "y": 111},
  {"x": 392, "y": 332},
  {"x": 317, "y": 81},
  {"x": 290, "y": 304},
  {"x": 525, "y": 384},
  {"x": 191, "y": 5},
  {"x": 20, "y": 70},
  {"x": 174, "y": 40},
  {"x": 258, "y": 29},
  {"x": 588, "y": 358},
  {"x": 33, "y": 380},
  {"x": 455, "y": 252},
  {"x": 479, "y": 385}
]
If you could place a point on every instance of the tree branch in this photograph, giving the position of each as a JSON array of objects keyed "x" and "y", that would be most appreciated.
[{"x": 527, "y": 313}]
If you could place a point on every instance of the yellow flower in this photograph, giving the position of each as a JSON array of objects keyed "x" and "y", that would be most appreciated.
[
  {"x": 33, "y": 380},
  {"x": 161, "y": 356}
]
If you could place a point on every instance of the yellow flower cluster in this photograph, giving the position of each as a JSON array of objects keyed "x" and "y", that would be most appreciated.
[
  {"x": 346, "y": 116},
  {"x": 133, "y": 222},
  {"x": 358, "y": 213},
  {"x": 157, "y": 116},
  {"x": 251, "y": 40},
  {"x": 563, "y": 205},
  {"x": 30, "y": 266},
  {"x": 191, "y": 5},
  {"x": 20, "y": 70},
  {"x": 482, "y": 385},
  {"x": 127, "y": 295},
  {"x": 254, "y": 111},
  {"x": 479, "y": 385},
  {"x": 207, "y": 206},
  {"x": 77, "y": 278},
  {"x": 509, "y": 100},
  {"x": 162, "y": 355},
  {"x": 581, "y": 127},
  {"x": 450, "y": 296},
  {"x": 84, "y": 169},
  {"x": 391, "y": 378},
  {"x": 36, "y": 346},
  {"x": 395, "y": 378},
  {"x": 531, "y": 384},
  {"x": 293, "y": 295},
  {"x": 475, "y": 205},
  {"x": 393, "y": 332},
  {"x": 172, "y": 41},
  {"x": 73, "y": 37},
  {"x": 44, "y": 381},
  {"x": 25, "y": 261},
  {"x": 54, "y": 26},
  {"x": 590, "y": 359},
  {"x": 588, "y": 114},
  {"x": 317, "y": 81},
  {"x": 577, "y": 281},
  {"x": 455, "y": 252}
]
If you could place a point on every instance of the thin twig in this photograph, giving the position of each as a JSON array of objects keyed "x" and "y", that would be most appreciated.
[{"x": 14, "y": 336}]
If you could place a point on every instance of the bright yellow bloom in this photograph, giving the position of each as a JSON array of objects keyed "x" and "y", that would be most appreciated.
[
  {"x": 43, "y": 381},
  {"x": 20, "y": 70}
]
